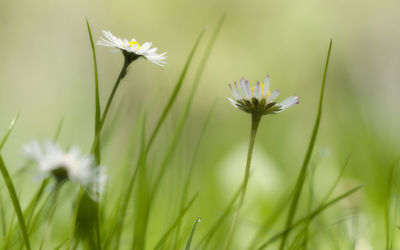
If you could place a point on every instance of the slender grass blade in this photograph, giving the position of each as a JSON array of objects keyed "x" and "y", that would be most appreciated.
[
  {"x": 302, "y": 175},
  {"x": 15, "y": 201},
  {"x": 189, "y": 242}
]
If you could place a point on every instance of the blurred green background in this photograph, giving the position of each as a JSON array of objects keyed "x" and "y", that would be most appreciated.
[{"x": 46, "y": 73}]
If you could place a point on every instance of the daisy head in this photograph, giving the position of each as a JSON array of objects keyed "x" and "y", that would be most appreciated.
[
  {"x": 259, "y": 99},
  {"x": 68, "y": 165},
  {"x": 132, "y": 49}
]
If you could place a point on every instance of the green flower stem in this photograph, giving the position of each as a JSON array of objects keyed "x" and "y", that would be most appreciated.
[
  {"x": 121, "y": 76},
  {"x": 96, "y": 142},
  {"x": 255, "y": 121}
]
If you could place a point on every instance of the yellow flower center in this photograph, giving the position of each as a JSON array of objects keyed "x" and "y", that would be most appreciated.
[
  {"x": 262, "y": 91},
  {"x": 134, "y": 43}
]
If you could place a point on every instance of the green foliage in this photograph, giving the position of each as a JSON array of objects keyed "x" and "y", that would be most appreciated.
[{"x": 164, "y": 171}]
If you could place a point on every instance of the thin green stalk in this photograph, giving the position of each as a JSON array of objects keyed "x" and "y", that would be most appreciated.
[
  {"x": 255, "y": 121},
  {"x": 189, "y": 242},
  {"x": 48, "y": 232},
  {"x": 74, "y": 217},
  {"x": 302, "y": 175},
  {"x": 143, "y": 204},
  {"x": 9, "y": 130},
  {"x": 90, "y": 207},
  {"x": 117, "y": 221},
  {"x": 179, "y": 128},
  {"x": 175, "y": 224},
  {"x": 121, "y": 76},
  {"x": 390, "y": 188},
  {"x": 30, "y": 210},
  {"x": 212, "y": 232},
  {"x": 114, "y": 90},
  {"x": 339, "y": 177},
  {"x": 3, "y": 218},
  {"x": 167, "y": 108},
  {"x": 14, "y": 199},
  {"x": 310, "y": 216},
  {"x": 270, "y": 221},
  {"x": 9, "y": 233},
  {"x": 190, "y": 173},
  {"x": 58, "y": 130},
  {"x": 174, "y": 94},
  {"x": 96, "y": 94}
]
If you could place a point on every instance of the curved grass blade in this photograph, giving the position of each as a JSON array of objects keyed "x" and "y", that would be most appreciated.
[
  {"x": 3, "y": 218},
  {"x": 9, "y": 130},
  {"x": 115, "y": 229},
  {"x": 208, "y": 236},
  {"x": 270, "y": 221},
  {"x": 47, "y": 231},
  {"x": 190, "y": 172},
  {"x": 186, "y": 111},
  {"x": 390, "y": 191},
  {"x": 309, "y": 217},
  {"x": 175, "y": 224},
  {"x": 30, "y": 209},
  {"x": 305, "y": 233},
  {"x": 142, "y": 201},
  {"x": 189, "y": 242},
  {"x": 74, "y": 218},
  {"x": 178, "y": 131},
  {"x": 167, "y": 108},
  {"x": 59, "y": 128},
  {"x": 2, "y": 143},
  {"x": 9, "y": 233},
  {"x": 174, "y": 94},
  {"x": 88, "y": 210},
  {"x": 15, "y": 201},
  {"x": 97, "y": 96},
  {"x": 302, "y": 175}
]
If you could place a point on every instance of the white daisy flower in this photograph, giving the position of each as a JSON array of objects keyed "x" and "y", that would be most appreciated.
[
  {"x": 259, "y": 99},
  {"x": 132, "y": 50},
  {"x": 66, "y": 165}
]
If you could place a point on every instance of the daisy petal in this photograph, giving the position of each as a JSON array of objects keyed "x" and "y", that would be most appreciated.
[
  {"x": 266, "y": 86},
  {"x": 273, "y": 95},
  {"x": 288, "y": 102},
  {"x": 257, "y": 91},
  {"x": 234, "y": 93}
]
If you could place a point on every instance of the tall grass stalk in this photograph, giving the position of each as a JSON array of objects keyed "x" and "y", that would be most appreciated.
[
  {"x": 11, "y": 189},
  {"x": 390, "y": 191},
  {"x": 9, "y": 130},
  {"x": 87, "y": 207},
  {"x": 97, "y": 117},
  {"x": 203, "y": 244},
  {"x": 179, "y": 128},
  {"x": 143, "y": 155},
  {"x": 15, "y": 202},
  {"x": 189, "y": 242},
  {"x": 303, "y": 171},
  {"x": 255, "y": 121},
  {"x": 190, "y": 175},
  {"x": 309, "y": 217},
  {"x": 175, "y": 224}
]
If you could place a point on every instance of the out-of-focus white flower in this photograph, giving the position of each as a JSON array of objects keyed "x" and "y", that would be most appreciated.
[
  {"x": 51, "y": 160},
  {"x": 259, "y": 99},
  {"x": 132, "y": 49}
]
